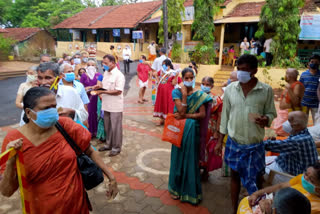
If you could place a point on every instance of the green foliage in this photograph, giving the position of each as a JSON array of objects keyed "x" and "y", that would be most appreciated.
[
  {"x": 291, "y": 63},
  {"x": 5, "y": 47},
  {"x": 283, "y": 17},
  {"x": 175, "y": 9},
  {"x": 47, "y": 14},
  {"x": 203, "y": 26},
  {"x": 203, "y": 54},
  {"x": 176, "y": 52}
]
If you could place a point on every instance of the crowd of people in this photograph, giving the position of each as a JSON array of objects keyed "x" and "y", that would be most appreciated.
[
  {"x": 233, "y": 127},
  {"x": 218, "y": 130}
]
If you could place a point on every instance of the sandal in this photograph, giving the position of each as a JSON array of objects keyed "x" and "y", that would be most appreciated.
[
  {"x": 145, "y": 100},
  {"x": 174, "y": 197},
  {"x": 140, "y": 102}
]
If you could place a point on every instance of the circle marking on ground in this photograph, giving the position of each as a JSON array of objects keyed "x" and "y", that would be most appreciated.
[{"x": 148, "y": 169}]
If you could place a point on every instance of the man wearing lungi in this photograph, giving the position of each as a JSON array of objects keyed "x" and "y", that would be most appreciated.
[{"x": 248, "y": 107}]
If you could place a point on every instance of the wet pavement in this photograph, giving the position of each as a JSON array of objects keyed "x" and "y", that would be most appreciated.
[{"x": 141, "y": 170}]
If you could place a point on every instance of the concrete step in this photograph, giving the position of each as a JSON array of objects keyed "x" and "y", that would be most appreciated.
[{"x": 8, "y": 74}]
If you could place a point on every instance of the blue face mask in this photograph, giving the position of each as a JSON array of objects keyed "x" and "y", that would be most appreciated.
[
  {"x": 308, "y": 186},
  {"x": 244, "y": 76},
  {"x": 140, "y": 60},
  {"x": 69, "y": 77},
  {"x": 188, "y": 84},
  {"x": 106, "y": 68},
  {"x": 314, "y": 66},
  {"x": 205, "y": 89},
  {"x": 46, "y": 118},
  {"x": 164, "y": 67}
]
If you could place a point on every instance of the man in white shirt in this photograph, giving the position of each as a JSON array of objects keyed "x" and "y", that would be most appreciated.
[
  {"x": 152, "y": 51},
  {"x": 267, "y": 45},
  {"x": 69, "y": 102},
  {"x": 126, "y": 54},
  {"x": 112, "y": 104},
  {"x": 157, "y": 64}
]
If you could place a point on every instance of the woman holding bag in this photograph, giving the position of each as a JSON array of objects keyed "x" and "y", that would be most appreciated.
[
  {"x": 54, "y": 182},
  {"x": 184, "y": 177}
]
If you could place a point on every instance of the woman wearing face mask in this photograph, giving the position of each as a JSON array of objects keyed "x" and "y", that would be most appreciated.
[
  {"x": 194, "y": 67},
  {"x": 164, "y": 103},
  {"x": 24, "y": 87},
  {"x": 184, "y": 177},
  {"x": 84, "y": 64},
  {"x": 89, "y": 80},
  {"x": 54, "y": 182},
  {"x": 308, "y": 184},
  {"x": 213, "y": 127},
  {"x": 143, "y": 70}
]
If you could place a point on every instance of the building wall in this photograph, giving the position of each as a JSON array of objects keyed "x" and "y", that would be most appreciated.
[{"x": 41, "y": 42}]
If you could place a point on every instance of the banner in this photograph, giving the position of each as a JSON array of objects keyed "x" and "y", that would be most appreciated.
[
  {"x": 137, "y": 34},
  {"x": 126, "y": 31},
  {"x": 310, "y": 27},
  {"x": 116, "y": 32}
]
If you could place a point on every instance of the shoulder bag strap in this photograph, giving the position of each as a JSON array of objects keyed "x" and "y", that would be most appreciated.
[{"x": 70, "y": 141}]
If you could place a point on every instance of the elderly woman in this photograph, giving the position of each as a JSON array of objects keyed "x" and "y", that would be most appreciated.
[
  {"x": 52, "y": 175},
  {"x": 89, "y": 80},
  {"x": 24, "y": 87}
]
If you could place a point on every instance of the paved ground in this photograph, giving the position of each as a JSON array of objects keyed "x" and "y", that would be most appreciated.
[{"x": 141, "y": 171}]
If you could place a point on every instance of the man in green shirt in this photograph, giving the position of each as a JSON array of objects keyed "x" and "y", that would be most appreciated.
[{"x": 248, "y": 107}]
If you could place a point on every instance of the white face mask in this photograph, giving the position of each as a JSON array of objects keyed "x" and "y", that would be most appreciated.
[
  {"x": 243, "y": 76},
  {"x": 286, "y": 126}
]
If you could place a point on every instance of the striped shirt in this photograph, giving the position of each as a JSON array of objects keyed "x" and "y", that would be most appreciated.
[
  {"x": 310, "y": 82},
  {"x": 297, "y": 152}
]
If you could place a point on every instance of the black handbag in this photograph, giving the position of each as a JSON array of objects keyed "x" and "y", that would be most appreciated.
[{"x": 91, "y": 174}]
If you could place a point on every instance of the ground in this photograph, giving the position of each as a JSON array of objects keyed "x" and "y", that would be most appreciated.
[{"x": 141, "y": 169}]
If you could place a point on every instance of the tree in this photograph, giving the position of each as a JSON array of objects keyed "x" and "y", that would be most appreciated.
[
  {"x": 175, "y": 13},
  {"x": 282, "y": 16},
  {"x": 5, "y": 46},
  {"x": 47, "y": 14},
  {"x": 203, "y": 26}
]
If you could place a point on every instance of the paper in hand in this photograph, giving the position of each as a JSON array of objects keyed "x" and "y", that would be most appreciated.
[{"x": 253, "y": 117}]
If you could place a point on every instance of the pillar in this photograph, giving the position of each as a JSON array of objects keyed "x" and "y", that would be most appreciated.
[{"x": 221, "y": 45}]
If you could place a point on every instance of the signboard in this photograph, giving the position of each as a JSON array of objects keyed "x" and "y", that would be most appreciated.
[
  {"x": 116, "y": 32},
  {"x": 310, "y": 27},
  {"x": 126, "y": 31},
  {"x": 70, "y": 30},
  {"x": 76, "y": 35},
  {"x": 94, "y": 31},
  {"x": 137, "y": 34},
  {"x": 179, "y": 36}
]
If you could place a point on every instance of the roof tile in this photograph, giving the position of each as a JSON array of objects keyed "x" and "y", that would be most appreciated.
[
  {"x": 247, "y": 9},
  {"x": 20, "y": 34},
  {"x": 123, "y": 16}
]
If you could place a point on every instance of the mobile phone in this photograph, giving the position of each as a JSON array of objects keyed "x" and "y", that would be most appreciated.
[{"x": 259, "y": 199}]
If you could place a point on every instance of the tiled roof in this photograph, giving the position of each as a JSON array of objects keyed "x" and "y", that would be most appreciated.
[
  {"x": 20, "y": 34},
  {"x": 123, "y": 16},
  {"x": 310, "y": 6},
  {"x": 247, "y": 9},
  {"x": 3, "y": 30},
  {"x": 226, "y": 2}
]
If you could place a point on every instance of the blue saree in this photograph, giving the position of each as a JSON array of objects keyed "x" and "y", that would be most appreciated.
[{"x": 184, "y": 177}]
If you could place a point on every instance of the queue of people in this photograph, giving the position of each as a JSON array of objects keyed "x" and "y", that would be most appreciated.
[{"x": 229, "y": 129}]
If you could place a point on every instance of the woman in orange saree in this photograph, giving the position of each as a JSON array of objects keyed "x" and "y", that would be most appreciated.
[{"x": 54, "y": 183}]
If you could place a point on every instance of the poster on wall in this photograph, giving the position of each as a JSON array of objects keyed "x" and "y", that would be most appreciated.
[
  {"x": 138, "y": 34},
  {"x": 116, "y": 32},
  {"x": 179, "y": 36},
  {"x": 70, "y": 30},
  {"x": 94, "y": 31},
  {"x": 76, "y": 35},
  {"x": 310, "y": 27},
  {"x": 126, "y": 31}
]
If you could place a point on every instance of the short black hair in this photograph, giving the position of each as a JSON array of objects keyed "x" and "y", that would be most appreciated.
[
  {"x": 168, "y": 62},
  {"x": 31, "y": 98},
  {"x": 163, "y": 50},
  {"x": 186, "y": 70},
  {"x": 315, "y": 56},
  {"x": 291, "y": 201},
  {"x": 52, "y": 66},
  {"x": 144, "y": 57},
  {"x": 110, "y": 57},
  {"x": 111, "y": 47},
  {"x": 209, "y": 79},
  {"x": 44, "y": 55},
  {"x": 248, "y": 59},
  {"x": 316, "y": 167}
]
